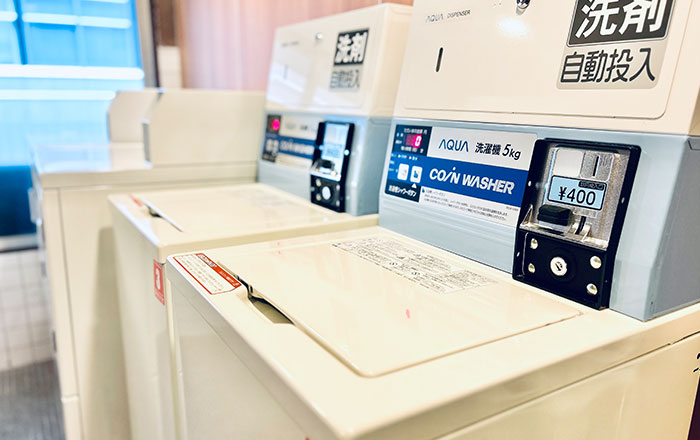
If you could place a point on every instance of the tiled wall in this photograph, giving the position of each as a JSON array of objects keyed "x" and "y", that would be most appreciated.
[{"x": 25, "y": 331}]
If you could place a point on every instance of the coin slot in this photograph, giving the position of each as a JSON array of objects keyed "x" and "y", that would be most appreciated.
[
  {"x": 439, "y": 60},
  {"x": 595, "y": 166}
]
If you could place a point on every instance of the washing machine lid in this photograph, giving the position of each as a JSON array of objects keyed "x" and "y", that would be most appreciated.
[
  {"x": 383, "y": 303},
  {"x": 233, "y": 209}
]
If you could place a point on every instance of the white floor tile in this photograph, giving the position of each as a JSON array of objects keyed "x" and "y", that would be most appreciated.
[
  {"x": 12, "y": 299},
  {"x": 21, "y": 356},
  {"x": 43, "y": 352},
  {"x": 37, "y": 313},
  {"x": 18, "y": 337},
  {"x": 34, "y": 295},
  {"x": 9, "y": 259},
  {"x": 41, "y": 332},
  {"x": 10, "y": 278},
  {"x": 16, "y": 317}
]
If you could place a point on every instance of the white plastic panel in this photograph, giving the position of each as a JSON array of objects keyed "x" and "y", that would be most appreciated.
[
  {"x": 497, "y": 59},
  {"x": 396, "y": 303},
  {"x": 233, "y": 210},
  {"x": 126, "y": 114},
  {"x": 304, "y": 68},
  {"x": 195, "y": 127},
  {"x": 636, "y": 400},
  {"x": 303, "y": 60}
]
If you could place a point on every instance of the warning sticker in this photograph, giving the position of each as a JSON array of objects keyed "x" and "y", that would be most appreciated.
[
  {"x": 427, "y": 270},
  {"x": 615, "y": 44},
  {"x": 208, "y": 274},
  {"x": 349, "y": 57}
]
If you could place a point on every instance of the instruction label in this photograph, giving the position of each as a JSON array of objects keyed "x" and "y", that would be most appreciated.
[
  {"x": 424, "y": 269},
  {"x": 290, "y": 140},
  {"x": 350, "y": 49},
  {"x": 616, "y": 44},
  {"x": 477, "y": 173},
  {"x": 207, "y": 273}
]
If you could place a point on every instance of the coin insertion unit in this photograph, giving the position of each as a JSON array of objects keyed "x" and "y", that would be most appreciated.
[{"x": 572, "y": 214}]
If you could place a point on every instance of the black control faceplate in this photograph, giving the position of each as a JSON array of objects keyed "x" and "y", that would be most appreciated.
[
  {"x": 330, "y": 165},
  {"x": 576, "y": 272},
  {"x": 328, "y": 193},
  {"x": 553, "y": 247}
]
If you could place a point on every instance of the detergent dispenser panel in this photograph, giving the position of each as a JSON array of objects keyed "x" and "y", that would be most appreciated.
[{"x": 571, "y": 218}]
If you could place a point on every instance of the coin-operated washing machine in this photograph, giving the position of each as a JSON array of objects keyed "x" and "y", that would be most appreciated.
[
  {"x": 72, "y": 184},
  {"x": 534, "y": 275},
  {"x": 330, "y": 140}
]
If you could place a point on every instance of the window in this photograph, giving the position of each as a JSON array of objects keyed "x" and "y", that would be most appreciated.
[{"x": 61, "y": 62}]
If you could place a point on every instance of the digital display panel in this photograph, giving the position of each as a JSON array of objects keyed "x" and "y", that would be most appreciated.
[
  {"x": 333, "y": 149},
  {"x": 274, "y": 123},
  {"x": 413, "y": 140},
  {"x": 576, "y": 192}
]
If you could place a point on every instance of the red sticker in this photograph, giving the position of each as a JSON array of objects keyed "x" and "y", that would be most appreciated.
[
  {"x": 207, "y": 273},
  {"x": 158, "y": 282}
]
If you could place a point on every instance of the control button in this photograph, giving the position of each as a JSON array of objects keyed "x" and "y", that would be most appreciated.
[
  {"x": 318, "y": 182},
  {"x": 596, "y": 262},
  {"x": 531, "y": 268},
  {"x": 318, "y": 197},
  {"x": 326, "y": 193},
  {"x": 554, "y": 214},
  {"x": 592, "y": 289},
  {"x": 534, "y": 244},
  {"x": 559, "y": 266}
]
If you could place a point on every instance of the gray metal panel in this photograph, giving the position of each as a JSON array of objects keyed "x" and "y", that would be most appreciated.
[
  {"x": 365, "y": 167},
  {"x": 290, "y": 179},
  {"x": 656, "y": 268},
  {"x": 678, "y": 263}
]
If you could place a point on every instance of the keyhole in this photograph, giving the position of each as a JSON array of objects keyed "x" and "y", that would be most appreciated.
[{"x": 439, "y": 60}]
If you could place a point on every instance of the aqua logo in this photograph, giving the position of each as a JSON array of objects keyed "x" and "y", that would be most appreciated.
[{"x": 454, "y": 145}]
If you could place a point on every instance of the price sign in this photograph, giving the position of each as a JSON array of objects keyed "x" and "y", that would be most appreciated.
[{"x": 577, "y": 192}]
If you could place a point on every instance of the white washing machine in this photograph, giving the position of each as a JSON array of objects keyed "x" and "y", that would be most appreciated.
[
  {"x": 345, "y": 160},
  {"x": 534, "y": 274},
  {"x": 126, "y": 114},
  {"x": 72, "y": 184}
]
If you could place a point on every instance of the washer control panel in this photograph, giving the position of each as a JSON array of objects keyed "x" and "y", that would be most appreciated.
[
  {"x": 571, "y": 218},
  {"x": 330, "y": 164}
]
